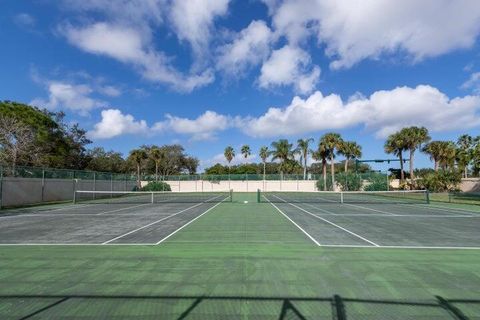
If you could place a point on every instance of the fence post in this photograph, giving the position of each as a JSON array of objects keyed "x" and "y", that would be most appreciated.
[
  {"x": 43, "y": 183},
  {"x": 94, "y": 184},
  {"x": 1, "y": 187}
]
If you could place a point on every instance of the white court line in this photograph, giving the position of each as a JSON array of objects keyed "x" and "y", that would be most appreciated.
[
  {"x": 333, "y": 224},
  {"x": 371, "y": 209},
  {"x": 153, "y": 244},
  {"x": 186, "y": 224},
  {"x": 155, "y": 222},
  {"x": 151, "y": 224},
  {"x": 432, "y": 207},
  {"x": 296, "y": 225}
]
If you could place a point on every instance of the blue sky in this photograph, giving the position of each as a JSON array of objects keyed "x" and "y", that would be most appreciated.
[{"x": 212, "y": 73}]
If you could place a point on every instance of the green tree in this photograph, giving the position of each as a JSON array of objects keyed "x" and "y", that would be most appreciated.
[
  {"x": 413, "y": 138},
  {"x": 322, "y": 154},
  {"x": 191, "y": 164},
  {"x": 434, "y": 149},
  {"x": 303, "y": 148},
  {"x": 464, "y": 152},
  {"x": 332, "y": 141},
  {"x": 229, "y": 154},
  {"x": 350, "y": 150},
  {"x": 157, "y": 155},
  {"x": 264, "y": 155},
  {"x": 245, "y": 150},
  {"x": 137, "y": 156},
  {"x": 108, "y": 161},
  {"x": 395, "y": 144},
  {"x": 282, "y": 150}
]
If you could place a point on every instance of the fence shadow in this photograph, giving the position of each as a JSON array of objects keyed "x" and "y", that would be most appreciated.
[{"x": 229, "y": 307}]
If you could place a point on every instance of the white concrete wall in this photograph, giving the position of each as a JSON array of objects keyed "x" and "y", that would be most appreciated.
[{"x": 242, "y": 186}]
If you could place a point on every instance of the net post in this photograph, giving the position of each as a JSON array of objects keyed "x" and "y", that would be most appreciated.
[
  {"x": 231, "y": 195},
  {"x": 341, "y": 197},
  {"x": 258, "y": 195},
  {"x": 427, "y": 196},
  {"x": 151, "y": 200},
  {"x": 74, "y": 196}
]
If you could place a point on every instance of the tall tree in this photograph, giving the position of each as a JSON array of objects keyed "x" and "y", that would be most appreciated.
[
  {"x": 17, "y": 142},
  {"x": 435, "y": 149},
  {"x": 191, "y": 164},
  {"x": 245, "y": 150},
  {"x": 108, "y": 161},
  {"x": 414, "y": 137},
  {"x": 322, "y": 154},
  {"x": 229, "y": 154},
  {"x": 395, "y": 144},
  {"x": 303, "y": 148},
  {"x": 282, "y": 150},
  {"x": 332, "y": 141},
  {"x": 350, "y": 150},
  {"x": 137, "y": 156},
  {"x": 157, "y": 155},
  {"x": 464, "y": 152},
  {"x": 264, "y": 155}
]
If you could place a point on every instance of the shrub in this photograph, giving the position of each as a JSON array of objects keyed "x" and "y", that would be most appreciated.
[
  {"x": 376, "y": 182},
  {"x": 157, "y": 186},
  {"x": 441, "y": 181},
  {"x": 346, "y": 181}
]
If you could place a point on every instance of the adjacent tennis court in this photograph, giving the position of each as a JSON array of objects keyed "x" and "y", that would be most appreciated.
[{"x": 365, "y": 219}]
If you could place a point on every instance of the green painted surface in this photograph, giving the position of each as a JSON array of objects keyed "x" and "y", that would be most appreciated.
[{"x": 236, "y": 249}]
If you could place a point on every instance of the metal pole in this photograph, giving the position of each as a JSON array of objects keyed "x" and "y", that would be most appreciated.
[
  {"x": 1, "y": 187},
  {"x": 43, "y": 183},
  {"x": 94, "y": 184}
]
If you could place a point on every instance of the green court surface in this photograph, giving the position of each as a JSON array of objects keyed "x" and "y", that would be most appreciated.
[{"x": 237, "y": 261}]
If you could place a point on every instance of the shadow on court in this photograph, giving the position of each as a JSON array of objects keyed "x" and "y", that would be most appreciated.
[{"x": 227, "y": 307}]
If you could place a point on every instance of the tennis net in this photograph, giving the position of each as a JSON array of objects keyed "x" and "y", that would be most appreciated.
[
  {"x": 121, "y": 197},
  {"x": 400, "y": 197}
]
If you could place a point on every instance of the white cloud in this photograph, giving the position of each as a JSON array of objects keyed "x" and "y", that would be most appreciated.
[
  {"x": 356, "y": 30},
  {"x": 220, "y": 158},
  {"x": 193, "y": 20},
  {"x": 289, "y": 66},
  {"x": 24, "y": 20},
  {"x": 115, "y": 123},
  {"x": 250, "y": 47},
  {"x": 69, "y": 96},
  {"x": 132, "y": 46},
  {"x": 473, "y": 83},
  {"x": 383, "y": 112},
  {"x": 110, "y": 91},
  {"x": 203, "y": 127}
]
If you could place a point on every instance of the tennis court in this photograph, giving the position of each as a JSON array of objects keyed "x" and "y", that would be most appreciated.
[
  {"x": 230, "y": 258},
  {"x": 325, "y": 219}
]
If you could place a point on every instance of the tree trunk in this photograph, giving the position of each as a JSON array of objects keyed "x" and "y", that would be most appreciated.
[
  {"x": 402, "y": 175},
  {"x": 332, "y": 168},
  {"x": 156, "y": 171},
  {"x": 435, "y": 165},
  {"x": 264, "y": 170},
  {"x": 305, "y": 168},
  {"x": 466, "y": 171},
  {"x": 346, "y": 165},
  {"x": 324, "y": 172},
  {"x": 139, "y": 185},
  {"x": 411, "y": 165}
]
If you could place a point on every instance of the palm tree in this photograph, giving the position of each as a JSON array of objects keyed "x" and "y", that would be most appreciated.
[
  {"x": 395, "y": 144},
  {"x": 303, "y": 150},
  {"x": 264, "y": 155},
  {"x": 322, "y": 154},
  {"x": 332, "y": 141},
  {"x": 137, "y": 156},
  {"x": 414, "y": 137},
  {"x": 465, "y": 143},
  {"x": 229, "y": 154},
  {"x": 350, "y": 150},
  {"x": 245, "y": 151},
  {"x": 282, "y": 150},
  {"x": 448, "y": 155},
  {"x": 435, "y": 149},
  {"x": 157, "y": 156}
]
